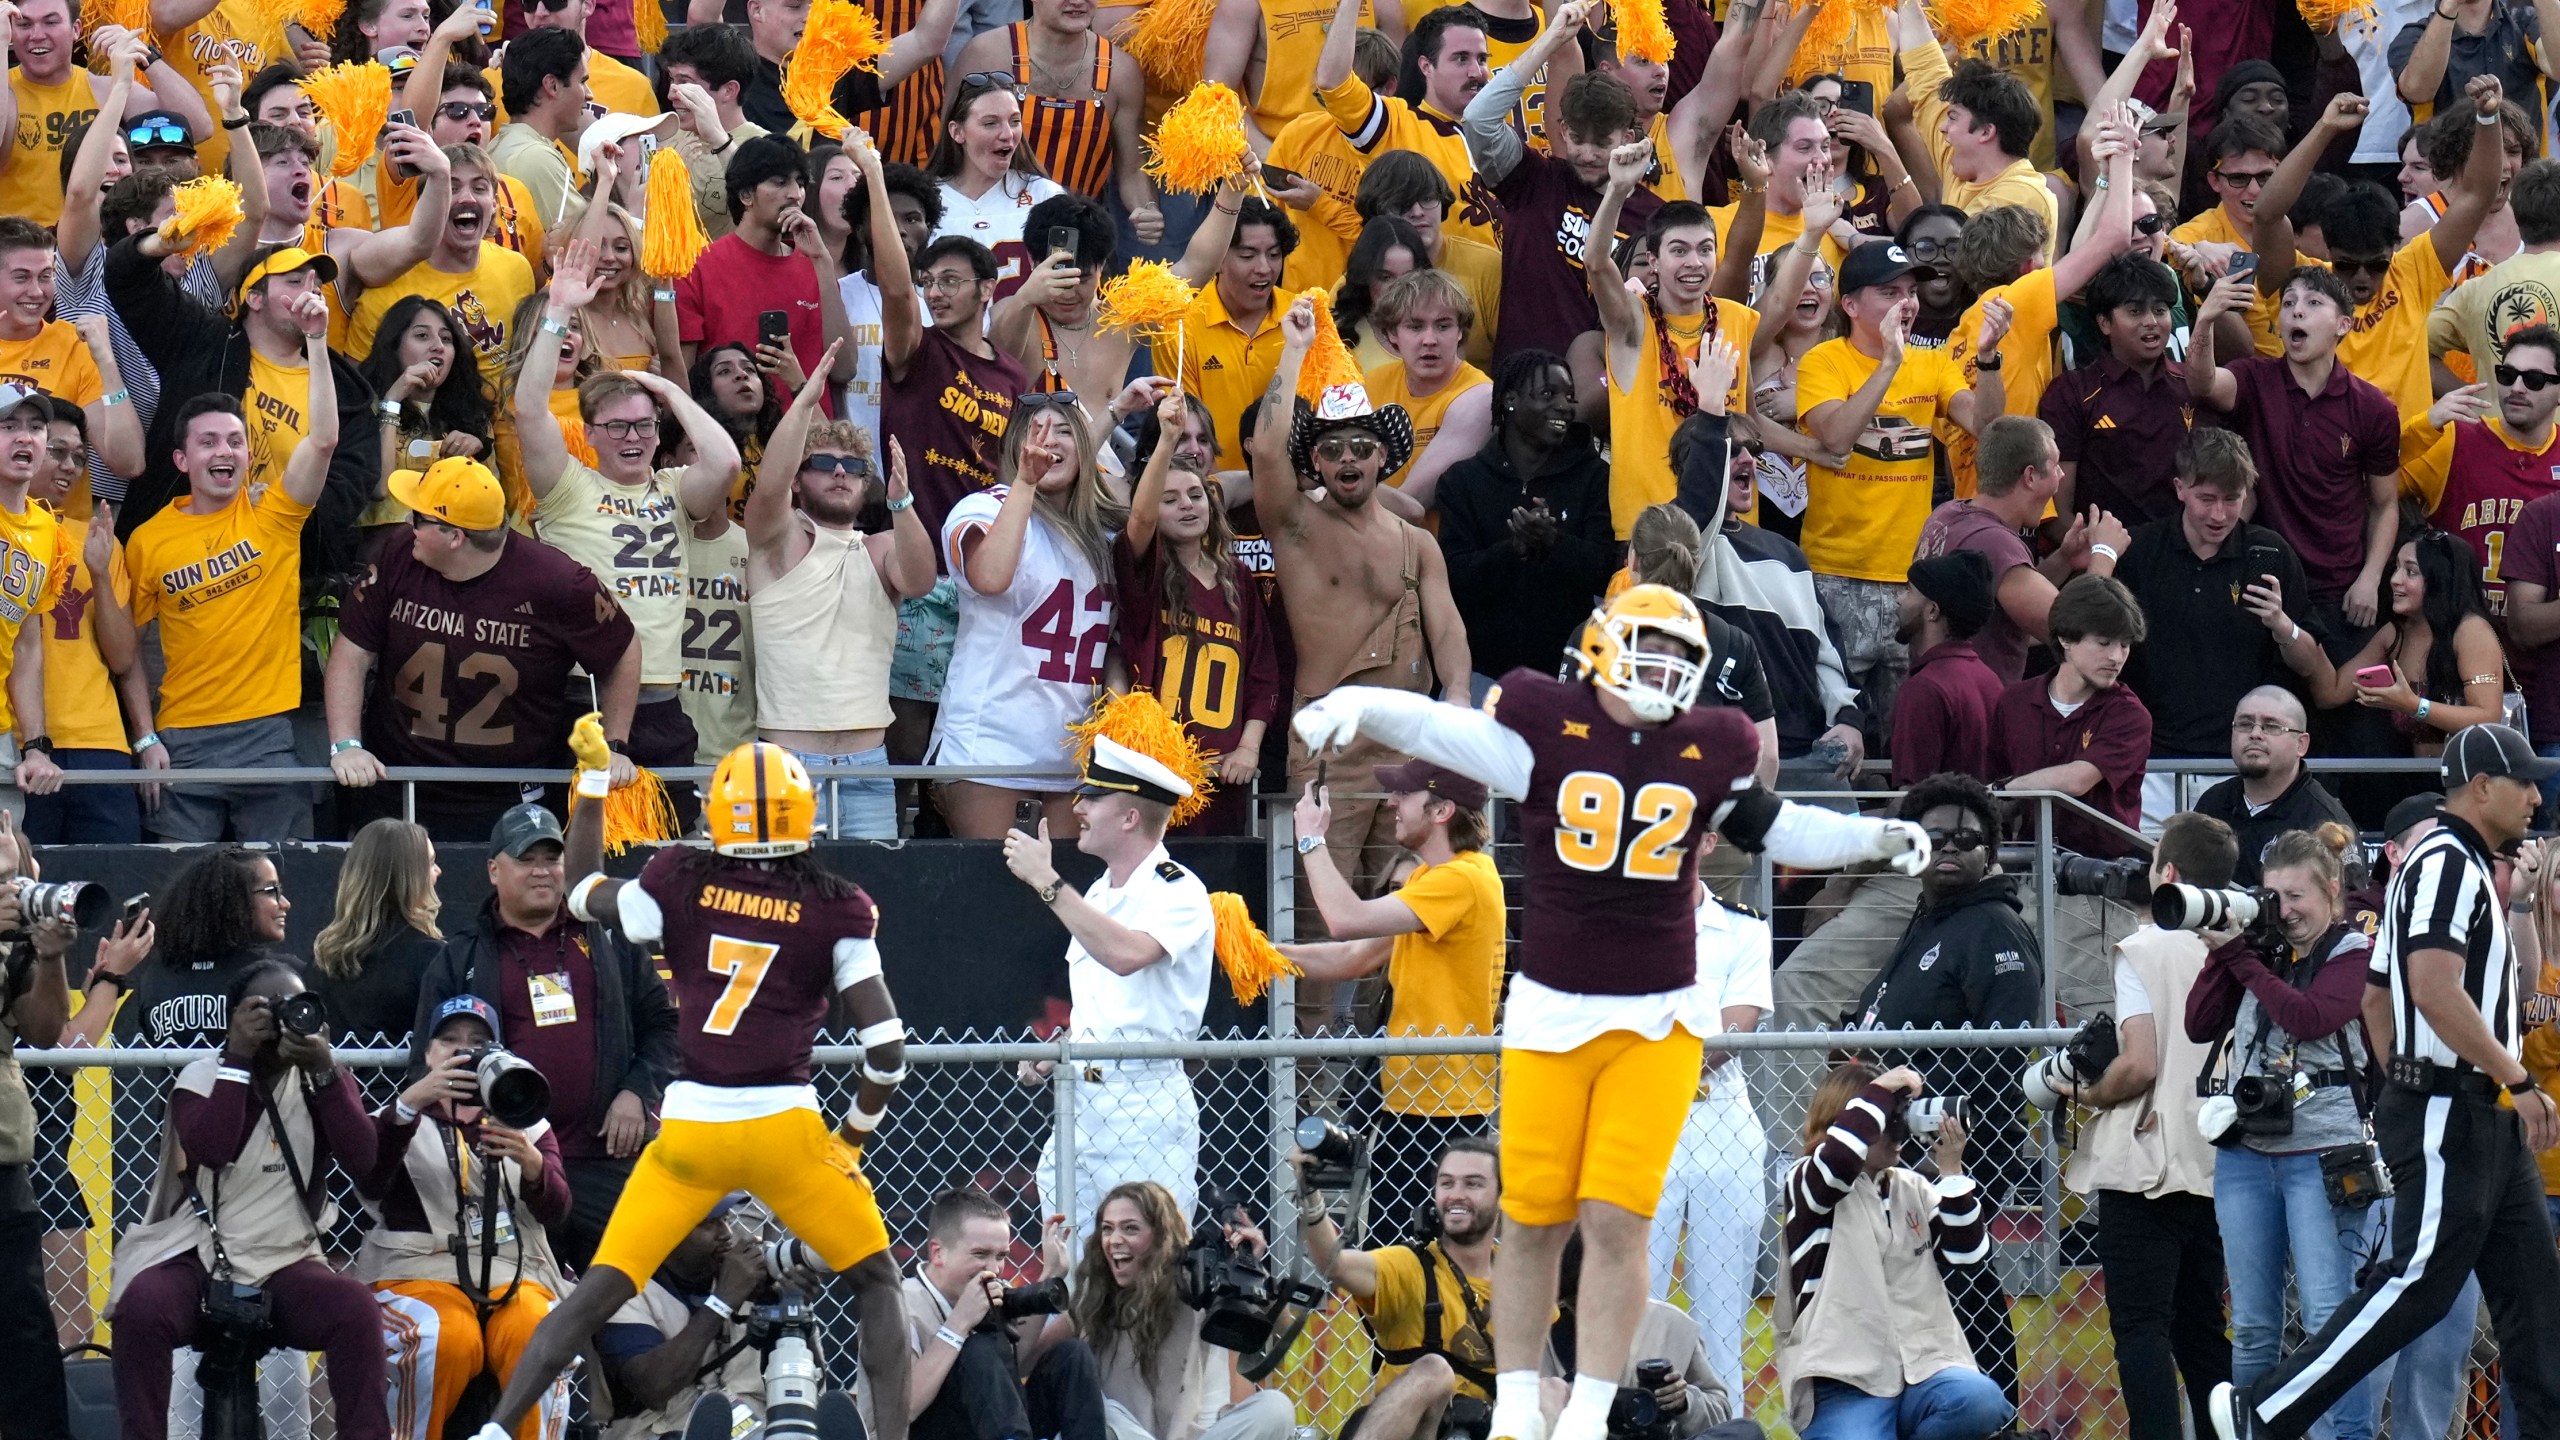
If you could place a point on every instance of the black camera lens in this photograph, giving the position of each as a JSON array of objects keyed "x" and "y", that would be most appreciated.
[
  {"x": 304, "y": 1014},
  {"x": 1049, "y": 1297}
]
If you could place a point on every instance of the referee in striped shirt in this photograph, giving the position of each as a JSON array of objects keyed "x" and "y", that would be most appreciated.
[{"x": 2470, "y": 1197}]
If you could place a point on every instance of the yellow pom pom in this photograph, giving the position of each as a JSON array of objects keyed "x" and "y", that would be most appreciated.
[
  {"x": 133, "y": 15},
  {"x": 1643, "y": 34},
  {"x": 649, "y": 21},
  {"x": 1966, "y": 21},
  {"x": 1251, "y": 961},
  {"x": 1329, "y": 361},
  {"x": 1167, "y": 39},
  {"x": 840, "y": 37},
  {"x": 319, "y": 17},
  {"x": 1199, "y": 145},
  {"x": 573, "y": 433},
  {"x": 207, "y": 211},
  {"x": 672, "y": 239},
  {"x": 1140, "y": 721},
  {"x": 353, "y": 100},
  {"x": 1146, "y": 301},
  {"x": 637, "y": 812},
  {"x": 2325, "y": 15}
]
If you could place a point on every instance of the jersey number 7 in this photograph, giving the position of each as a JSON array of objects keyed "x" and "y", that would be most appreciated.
[
  {"x": 745, "y": 963},
  {"x": 1592, "y": 817}
]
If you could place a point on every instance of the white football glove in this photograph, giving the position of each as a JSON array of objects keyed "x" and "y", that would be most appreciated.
[
  {"x": 1906, "y": 845},
  {"x": 1330, "y": 722}
]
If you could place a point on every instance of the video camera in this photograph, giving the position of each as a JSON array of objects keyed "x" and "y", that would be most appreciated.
[
  {"x": 1634, "y": 1413},
  {"x": 2047, "y": 1083},
  {"x": 1240, "y": 1294},
  {"x": 2192, "y": 907},
  {"x": 2128, "y": 879}
]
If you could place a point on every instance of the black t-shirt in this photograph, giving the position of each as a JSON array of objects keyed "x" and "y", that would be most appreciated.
[{"x": 379, "y": 1002}]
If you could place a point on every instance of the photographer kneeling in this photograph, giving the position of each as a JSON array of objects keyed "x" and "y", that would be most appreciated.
[
  {"x": 969, "y": 1381},
  {"x": 229, "y": 1257},
  {"x": 1669, "y": 1391},
  {"x": 2285, "y": 992},
  {"x": 1868, "y": 1345},
  {"x": 458, "y": 1254},
  {"x": 1428, "y": 1304},
  {"x": 1160, "y": 1379}
]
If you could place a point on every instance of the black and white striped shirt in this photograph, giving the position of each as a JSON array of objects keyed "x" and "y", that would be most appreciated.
[{"x": 2446, "y": 898}]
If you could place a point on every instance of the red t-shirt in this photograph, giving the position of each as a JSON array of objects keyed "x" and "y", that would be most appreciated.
[
  {"x": 734, "y": 283},
  {"x": 948, "y": 412},
  {"x": 751, "y": 958},
  {"x": 1219, "y": 675},
  {"x": 558, "y": 1035},
  {"x": 2111, "y": 730}
]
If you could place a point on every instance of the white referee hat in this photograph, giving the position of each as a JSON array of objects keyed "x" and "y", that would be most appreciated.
[{"x": 1115, "y": 769}]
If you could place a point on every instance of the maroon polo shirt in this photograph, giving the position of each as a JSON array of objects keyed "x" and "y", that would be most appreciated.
[
  {"x": 1963, "y": 525},
  {"x": 2314, "y": 453},
  {"x": 2111, "y": 730},
  {"x": 1942, "y": 715},
  {"x": 564, "y": 1050},
  {"x": 2123, "y": 433}
]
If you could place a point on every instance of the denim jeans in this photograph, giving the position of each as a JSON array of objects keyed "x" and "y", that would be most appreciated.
[
  {"x": 2271, "y": 1208},
  {"x": 1954, "y": 1404},
  {"x": 2429, "y": 1379},
  {"x": 870, "y": 806}
]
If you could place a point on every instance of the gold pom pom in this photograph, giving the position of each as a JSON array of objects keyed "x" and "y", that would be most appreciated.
[
  {"x": 841, "y": 36},
  {"x": 573, "y": 433},
  {"x": 319, "y": 17},
  {"x": 1965, "y": 21},
  {"x": 672, "y": 239},
  {"x": 1251, "y": 961},
  {"x": 1643, "y": 34},
  {"x": 2325, "y": 15},
  {"x": 1199, "y": 145},
  {"x": 649, "y": 23},
  {"x": 1140, "y": 721},
  {"x": 207, "y": 211},
  {"x": 638, "y": 812},
  {"x": 353, "y": 100},
  {"x": 1147, "y": 300},
  {"x": 133, "y": 15},
  {"x": 1329, "y": 361},
  {"x": 1167, "y": 39}
]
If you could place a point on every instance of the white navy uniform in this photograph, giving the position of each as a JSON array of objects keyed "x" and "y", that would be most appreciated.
[
  {"x": 1137, "y": 1119},
  {"x": 1718, "y": 1177},
  {"x": 1025, "y": 664}
]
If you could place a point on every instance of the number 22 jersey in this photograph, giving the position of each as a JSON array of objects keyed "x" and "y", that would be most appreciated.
[
  {"x": 1026, "y": 662},
  {"x": 1609, "y": 827},
  {"x": 751, "y": 957}
]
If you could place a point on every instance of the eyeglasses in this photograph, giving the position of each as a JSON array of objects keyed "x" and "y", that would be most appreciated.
[
  {"x": 458, "y": 111},
  {"x": 1004, "y": 80},
  {"x": 1063, "y": 399},
  {"x": 2529, "y": 379},
  {"x": 1923, "y": 249},
  {"x": 2371, "y": 265},
  {"x": 2150, "y": 224},
  {"x": 2245, "y": 179},
  {"x": 1958, "y": 842},
  {"x": 853, "y": 465},
  {"x": 2247, "y": 726},
  {"x": 629, "y": 429},
  {"x": 946, "y": 280},
  {"x": 163, "y": 132},
  {"x": 1355, "y": 447},
  {"x": 272, "y": 892},
  {"x": 423, "y": 522}
]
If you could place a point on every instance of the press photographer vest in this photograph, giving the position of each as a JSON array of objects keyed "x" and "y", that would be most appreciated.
[
  {"x": 2149, "y": 1146},
  {"x": 1880, "y": 1320},
  {"x": 266, "y": 1225},
  {"x": 390, "y": 1254}
]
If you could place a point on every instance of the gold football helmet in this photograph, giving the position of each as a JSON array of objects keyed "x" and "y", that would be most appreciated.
[
  {"x": 1655, "y": 684},
  {"x": 761, "y": 804}
]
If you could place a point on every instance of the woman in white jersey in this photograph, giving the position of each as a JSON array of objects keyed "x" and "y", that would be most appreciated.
[
  {"x": 1033, "y": 561},
  {"x": 989, "y": 180}
]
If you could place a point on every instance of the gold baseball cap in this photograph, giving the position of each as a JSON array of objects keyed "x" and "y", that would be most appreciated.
[
  {"x": 455, "y": 490},
  {"x": 285, "y": 262}
]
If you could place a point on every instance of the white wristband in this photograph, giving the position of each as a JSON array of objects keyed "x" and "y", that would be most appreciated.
[
  {"x": 719, "y": 1307},
  {"x": 578, "y": 897},
  {"x": 2099, "y": 549},
  {"x": 595, "y": 784}
]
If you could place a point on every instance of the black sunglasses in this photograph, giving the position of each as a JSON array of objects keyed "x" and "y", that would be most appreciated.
[
  {"x": 2374, "y": 265},
  {"x": 1958, "y": 842},
  {"x": 987, "y": 80},
  {"x": 2150, "y": 224},
  {"x": 459, "y": 111},
  {"x": 2532, "y": 379},
  {"x": 1063, "y": 399},
  {"x": 853, "y": 465}
]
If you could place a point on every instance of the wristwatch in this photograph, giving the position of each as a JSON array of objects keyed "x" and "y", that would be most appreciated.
[
  {"x": 1987, "y": 362},
  {"x": 1049, "y": 893},
  {"x": 36, "y": 745},
  {"x": 1310, "y": 844}
]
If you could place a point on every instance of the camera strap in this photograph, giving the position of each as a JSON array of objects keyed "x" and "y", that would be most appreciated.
[
  {"x": 303, "y": 1189},
  {"x": 493, "y": 1199},
  {"x": 1433, "y": 1308}
]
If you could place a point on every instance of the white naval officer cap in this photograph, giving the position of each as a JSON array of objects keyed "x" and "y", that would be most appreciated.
[{"x": 1115, "y": 769}]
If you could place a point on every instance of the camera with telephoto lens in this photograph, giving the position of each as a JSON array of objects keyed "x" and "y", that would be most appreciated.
[
  {"x": 2050, "y": 1082},
  {"x": 235, "y": 1335},
  {"x": 1239, "y": 1292},
  {"x": 1923, "y": 1116},
  {"x": 83, "y": 904},
  {"x": 2257, "y": 913},
  {"x": 1634, "y": 1412},
  {"x": 1335, "y": 1156},
  {"x": 784, "y": 1330},
  {"x": 2128, "y": 879},
  {"x": 507, "y": 1086},
  {"x": 305, "y": 1014}
]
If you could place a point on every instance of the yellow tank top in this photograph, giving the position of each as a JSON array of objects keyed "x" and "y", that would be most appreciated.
[
  {"x": 1666, "y": 183},
  {"x": 1640, "y": 423},
  {"x": 1292, "y": 37},
  {"x": 47, "y": 114},
  {"x": 1389, "y": 385}
]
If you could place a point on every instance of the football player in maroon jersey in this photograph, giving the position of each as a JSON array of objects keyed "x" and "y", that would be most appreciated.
[
  {"x": 761, "y": 938},
  {"x": 1618, "y": 771}
]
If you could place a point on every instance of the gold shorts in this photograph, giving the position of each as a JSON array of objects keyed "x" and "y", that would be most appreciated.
[
  {"x": 1597, "y": 1122},
  {"x": 808, "y": 1177}
]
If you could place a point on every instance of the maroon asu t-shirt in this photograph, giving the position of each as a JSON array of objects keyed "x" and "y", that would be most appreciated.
[
  {"x": 751, "y": 960},
  {"x": 1608, "y": 826}
]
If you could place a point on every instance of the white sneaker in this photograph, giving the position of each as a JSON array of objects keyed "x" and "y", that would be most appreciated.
[
  {"x": 1533, "y": 1428},
  {"x": 2229, "y": 1413}
]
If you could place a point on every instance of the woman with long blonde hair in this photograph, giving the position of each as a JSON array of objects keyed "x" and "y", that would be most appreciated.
[
  {"x": 1032, "y": 558},
  {"x": 372, "y": 958},
  {"x": 577, "y": 362}
]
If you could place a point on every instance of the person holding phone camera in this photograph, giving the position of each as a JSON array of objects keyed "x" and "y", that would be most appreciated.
[
  {"x": 461, "y": 1265},
  {"x": 1868, "y": 1347},
  {"x": 985, "y": 1368},
  {"x": 231, "y": 1247},
  {"x": 2280, "y": 999}
]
